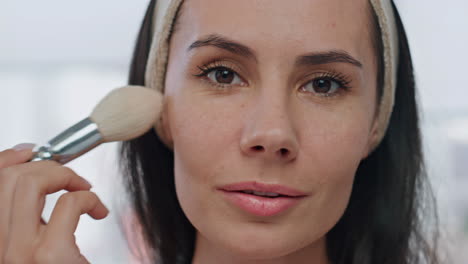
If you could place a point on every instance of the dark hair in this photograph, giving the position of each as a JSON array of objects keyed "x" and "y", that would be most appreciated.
[{"x": 391, "y": 196}]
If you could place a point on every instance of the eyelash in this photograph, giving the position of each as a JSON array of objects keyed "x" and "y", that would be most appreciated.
[
  {"x": 342, "y": 80},
  {"x": 209, "y": 67}
]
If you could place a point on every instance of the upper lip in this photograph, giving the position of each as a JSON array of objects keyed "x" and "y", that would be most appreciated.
[{"x": 263, "y": 187}]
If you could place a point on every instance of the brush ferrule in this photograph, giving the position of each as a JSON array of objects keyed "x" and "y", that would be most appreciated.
[{"x": 71, "y": 143}]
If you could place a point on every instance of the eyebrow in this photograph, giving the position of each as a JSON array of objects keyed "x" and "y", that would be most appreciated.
[
  {"x": 224, "y": 43},
  {"x": 313, "y": 58},
  {"x": 317, "y": 58}
]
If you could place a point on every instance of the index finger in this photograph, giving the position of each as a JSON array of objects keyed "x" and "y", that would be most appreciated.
[{"x": 10, "y": 157}]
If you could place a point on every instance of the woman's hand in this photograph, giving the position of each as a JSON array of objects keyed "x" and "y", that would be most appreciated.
[{"x": 24, "y": 236}]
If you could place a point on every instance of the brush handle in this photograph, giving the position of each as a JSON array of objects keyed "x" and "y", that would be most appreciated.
[{"x": 71, "y": 143}]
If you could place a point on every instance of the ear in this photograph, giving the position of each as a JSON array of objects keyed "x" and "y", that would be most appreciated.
[
  {"x": 372, "y": 140},
  {"x": 162, "y": 126}
]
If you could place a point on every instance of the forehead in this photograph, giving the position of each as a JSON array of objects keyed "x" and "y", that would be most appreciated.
[{"x": 279, "y": 26}]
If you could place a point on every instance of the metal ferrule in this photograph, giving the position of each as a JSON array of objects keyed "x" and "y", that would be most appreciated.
[{"x": 70, "y": 144}]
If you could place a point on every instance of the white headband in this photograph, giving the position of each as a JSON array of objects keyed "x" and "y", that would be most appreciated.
[{"x": 164, "y": 15}]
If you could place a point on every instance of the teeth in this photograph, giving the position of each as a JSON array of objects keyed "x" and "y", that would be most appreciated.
[{"x": 270, "y": 194}]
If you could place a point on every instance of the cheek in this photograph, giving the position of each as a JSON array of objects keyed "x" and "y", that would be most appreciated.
[
  {"x": 204, "y": 137},
  {"x": 201, "y": 131},
  {"x": 332, "y": 146},
  {"x": 336, "y": 143}
]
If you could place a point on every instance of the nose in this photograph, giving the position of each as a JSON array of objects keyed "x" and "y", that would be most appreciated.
[{"x": 268, "y": 134}]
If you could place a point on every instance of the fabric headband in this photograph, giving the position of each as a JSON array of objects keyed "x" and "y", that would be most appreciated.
[{"x": 164, "y": 15}]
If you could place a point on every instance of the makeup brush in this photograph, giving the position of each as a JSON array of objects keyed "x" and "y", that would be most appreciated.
[{"x": 123, "y": 114}]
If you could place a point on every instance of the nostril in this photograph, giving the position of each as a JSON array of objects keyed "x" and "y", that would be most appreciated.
[
  {"x": 284, "y": 152},
  {"x": 258, "y": 148}
]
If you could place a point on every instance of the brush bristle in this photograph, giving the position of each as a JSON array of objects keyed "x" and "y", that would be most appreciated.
[{"x": 126, "y": 113}]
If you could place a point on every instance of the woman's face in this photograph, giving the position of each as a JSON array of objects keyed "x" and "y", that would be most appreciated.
[{"x": 292, "y": 103}]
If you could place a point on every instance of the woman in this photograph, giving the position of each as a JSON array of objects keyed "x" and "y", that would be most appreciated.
[
  {"x": 233, "y": 118},
  {"x": 266, "y": 99}
]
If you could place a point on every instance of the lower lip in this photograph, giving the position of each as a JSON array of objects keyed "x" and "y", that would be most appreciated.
[{"x": 261, "y": 206}]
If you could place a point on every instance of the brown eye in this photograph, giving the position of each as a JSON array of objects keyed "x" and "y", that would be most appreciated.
[
  {"x": 322, "y": 86},
  {"x": 223, "y": 76}
]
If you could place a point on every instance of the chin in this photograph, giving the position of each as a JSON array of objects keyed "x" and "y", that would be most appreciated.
[
  {"x": 264, "y": 250},
  {"x": 256, "y": 250},
  {"x": 257, "y": 245}
]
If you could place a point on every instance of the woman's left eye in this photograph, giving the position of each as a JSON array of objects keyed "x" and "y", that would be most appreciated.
[
  {"x": 322, "y": 86},
  {"x": 223, "y": 76}
]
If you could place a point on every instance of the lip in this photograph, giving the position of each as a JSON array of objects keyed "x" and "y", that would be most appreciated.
[
  {"x": 258, "y": 205},
  {"x": 263, "y": 187}
]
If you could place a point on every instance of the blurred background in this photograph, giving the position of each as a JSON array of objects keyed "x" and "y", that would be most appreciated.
[{"x": 59, "y": 58}]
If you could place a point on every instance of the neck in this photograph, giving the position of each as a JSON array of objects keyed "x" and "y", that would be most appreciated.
[{"x": 209, "y": 253}]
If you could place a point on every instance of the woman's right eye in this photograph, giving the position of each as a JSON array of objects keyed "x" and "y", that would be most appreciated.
[{"x": 221, "y": 76}]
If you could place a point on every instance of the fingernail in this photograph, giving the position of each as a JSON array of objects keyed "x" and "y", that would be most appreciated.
[
  {"x": 90, "y": 185},
  {"x": 24, "y": 146}
]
